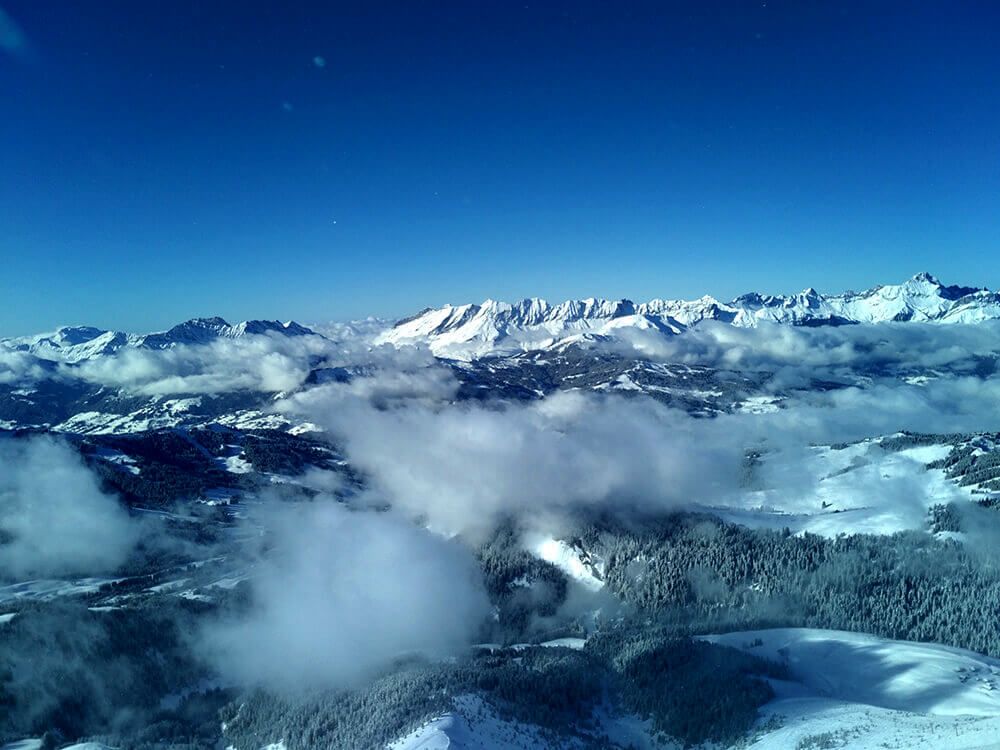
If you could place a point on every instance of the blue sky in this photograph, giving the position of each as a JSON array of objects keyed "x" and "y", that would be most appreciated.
[{"x": 164, "y": 160}]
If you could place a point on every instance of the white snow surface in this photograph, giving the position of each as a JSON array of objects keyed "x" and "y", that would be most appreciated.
[
  {"x": 922, "y": 678},
  {"x": 474, "y": 725},
  {"x": 858, "y": 489},
  {"x": 238, "y": 465},
  {"x": 852, "y": 690},
  {"x": 567, "y": 559}
]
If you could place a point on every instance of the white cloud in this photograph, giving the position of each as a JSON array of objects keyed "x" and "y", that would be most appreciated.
[
  {"x": 13, "y": 40},
  {"x": 256, "y": 362},
  {"x": 54, "y": 518},
  {"x": 19, "y": 367},
  {"x": 829, "y": 349},
  {"x": 342, "y": 595},
  {"x": 465, "y": 466}
]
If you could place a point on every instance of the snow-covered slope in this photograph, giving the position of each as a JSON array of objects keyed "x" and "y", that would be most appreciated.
[
  {"x": 845, "y": 690},
  {"x": 475, "y": 725},
  {"x": 852, "y": 690},
  {"x": 917, "y": 677},
  {"x": 79, "y": 343},
  {"x": 493, "y": 328},
  {"x": 860, "y": 488}
]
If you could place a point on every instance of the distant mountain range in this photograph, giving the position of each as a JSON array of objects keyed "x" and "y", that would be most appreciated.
[
  {"x": 79, "y": 343},
  {"x": 500, "y": 328},
  {"x": 473, "y": 331}
]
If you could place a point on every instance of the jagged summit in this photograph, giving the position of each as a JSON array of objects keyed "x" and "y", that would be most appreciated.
[
  {"x": 949, "y": 292},
  {"x": 494, "y": 327},
  {"x": 469, "y": 331}
]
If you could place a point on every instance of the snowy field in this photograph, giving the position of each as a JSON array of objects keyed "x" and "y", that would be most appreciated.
[
  {"x": 858, "y": 489},
  {"x": 855, "y": 691}
]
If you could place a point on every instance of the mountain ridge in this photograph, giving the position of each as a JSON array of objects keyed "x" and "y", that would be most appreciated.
[
  {"x": 77, "y": 343},
  {"x": 470, "y": 331}
]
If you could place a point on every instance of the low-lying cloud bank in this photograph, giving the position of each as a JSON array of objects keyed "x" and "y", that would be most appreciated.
[
  {"x": 849, "y": 382},
  {"x": 772, "y": 345},
  {"x": 20, "y": 368},
  {"x": 942, "y": 405},
  {"x": 54, "y": 517},
  {"x": 343, "y": 594},
  {"x": 464, "y": 467},
  {"x": 266, "y": 363},
  {"x": 805, "y": 351},
  {"x": 795, "y": 357}
]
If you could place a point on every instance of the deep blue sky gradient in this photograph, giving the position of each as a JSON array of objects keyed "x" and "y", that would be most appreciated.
[{"x": 161, "y": 160}]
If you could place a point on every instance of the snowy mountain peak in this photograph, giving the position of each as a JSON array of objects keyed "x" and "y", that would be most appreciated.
[
  {"x": 495, "y": 328},
  {"x": 73, "y": 335},
  {"x": 926, "y": 284},
  {"x": 204, "y": 330},
  {"x": 198, "y": 330}
]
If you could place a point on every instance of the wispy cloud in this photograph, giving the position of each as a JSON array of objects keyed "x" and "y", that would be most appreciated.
[{"x": 13, "y": 40}]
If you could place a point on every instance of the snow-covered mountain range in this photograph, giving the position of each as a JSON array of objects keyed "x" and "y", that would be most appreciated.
[
  {"x": 78, "y": 343},
  {"x": 78, "y": 379},
  {"x": 492, "y": 328},
  {"x": 497, "y": 328}
]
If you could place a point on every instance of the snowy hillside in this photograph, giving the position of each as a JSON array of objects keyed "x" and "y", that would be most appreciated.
[
  {"x": 492, "y": 328},
  {"x": 474, "y": 725},
  {"x": 860, "y": 488},
  {"x": 850, "y": 690}
]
